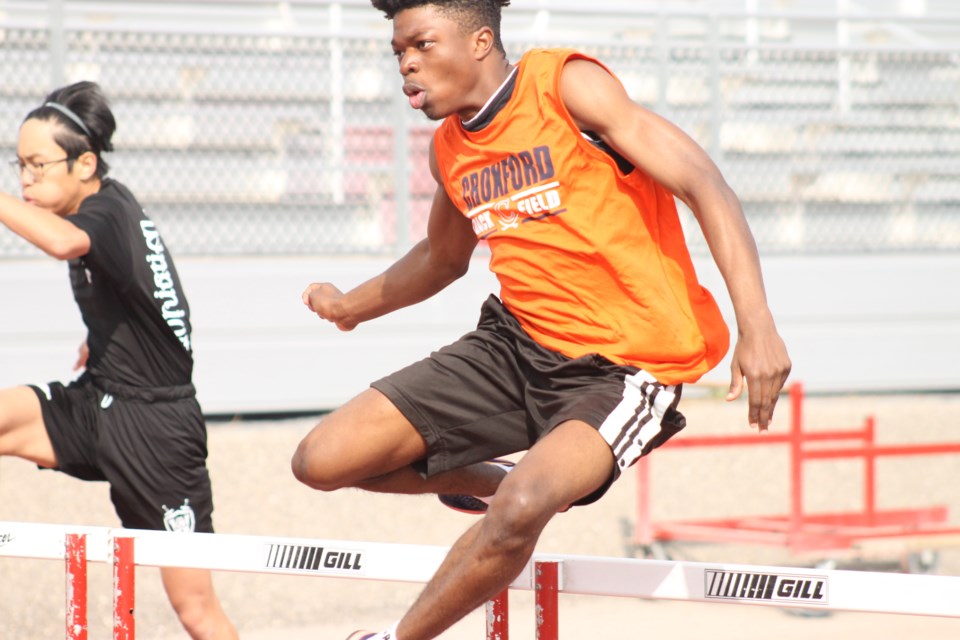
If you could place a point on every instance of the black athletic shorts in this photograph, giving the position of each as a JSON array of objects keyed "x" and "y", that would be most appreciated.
[
  {"x": 152, "y": 452},
  {"x": 496, "y": 391}
]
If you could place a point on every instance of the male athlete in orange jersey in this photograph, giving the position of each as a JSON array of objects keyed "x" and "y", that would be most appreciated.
[{"x": 600, "y": 318}]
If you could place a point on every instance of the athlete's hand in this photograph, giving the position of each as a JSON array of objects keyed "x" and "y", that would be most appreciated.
[
  {"x": 762, "y": 359},
  {"x": 324, "y": 300},
  {"x": 83, "y": 352}
]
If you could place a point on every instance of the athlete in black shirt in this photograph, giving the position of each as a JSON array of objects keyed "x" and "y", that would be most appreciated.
[{"x": 132, "y": 418}]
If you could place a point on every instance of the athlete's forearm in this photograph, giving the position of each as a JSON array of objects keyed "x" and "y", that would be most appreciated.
[
  {"x": 734, "y": 251},
  {"x": 411, "y": 279},
  {"x": 43, "y": 229}
]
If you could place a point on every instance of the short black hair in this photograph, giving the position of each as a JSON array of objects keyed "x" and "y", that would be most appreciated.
[
  {"x": 86, "y": 101},
  {"x": 469, "y": 14}
]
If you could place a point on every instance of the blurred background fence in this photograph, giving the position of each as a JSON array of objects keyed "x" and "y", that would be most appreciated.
[
  {"x": 272, "y": 144},
  {"x": 278, "y": 128}
]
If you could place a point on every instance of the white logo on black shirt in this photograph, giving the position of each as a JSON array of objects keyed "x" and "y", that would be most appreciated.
[{"x": 164, "y": 283}]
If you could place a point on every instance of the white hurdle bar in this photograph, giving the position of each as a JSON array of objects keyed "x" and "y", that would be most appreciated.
[{"x": 548, "y": 575}]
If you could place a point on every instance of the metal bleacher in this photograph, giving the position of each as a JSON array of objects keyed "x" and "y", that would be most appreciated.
[{"x": 277, "y": 128}]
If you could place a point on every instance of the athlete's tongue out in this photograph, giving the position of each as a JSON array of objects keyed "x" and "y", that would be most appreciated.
[
  {"x": 417, "y": 98},
  {"x": 415, "y": 94}
]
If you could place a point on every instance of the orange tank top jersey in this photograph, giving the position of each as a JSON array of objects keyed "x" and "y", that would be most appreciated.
[{"x": 589, "y": 260}]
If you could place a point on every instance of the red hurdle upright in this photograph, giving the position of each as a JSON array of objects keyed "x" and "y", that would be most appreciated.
[
  {"x": 547, "y": 588},
  {"x": 124, "y": 570},
  {"x": 546, "y": 576},
  {"x": 76, "y": 567},
  {"x": 498, "y": 617}
]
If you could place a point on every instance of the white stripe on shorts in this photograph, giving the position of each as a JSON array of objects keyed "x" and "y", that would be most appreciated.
[{"x": 636, "y": 420}]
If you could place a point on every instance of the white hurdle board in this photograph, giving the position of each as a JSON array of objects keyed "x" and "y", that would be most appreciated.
[{"x": 793, "y": 587}]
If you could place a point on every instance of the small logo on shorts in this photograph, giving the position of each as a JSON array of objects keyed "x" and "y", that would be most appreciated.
[
  {"x": 180, "y": 520},
  {"x": 106, "y": 401},
  {"x": 5, "y": 538}
]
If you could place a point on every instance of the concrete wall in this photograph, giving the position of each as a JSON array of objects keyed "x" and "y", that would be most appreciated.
[{"x": 852, "y": 323}]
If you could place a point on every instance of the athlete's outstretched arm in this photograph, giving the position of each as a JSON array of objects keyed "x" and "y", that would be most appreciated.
[
  {"x": 44, "y": 229},
  {"x": 597, "y": 102},
  {"x": 432, "y": 264}
]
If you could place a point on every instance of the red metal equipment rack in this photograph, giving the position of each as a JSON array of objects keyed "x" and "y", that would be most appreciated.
[{"x": 799, "y": 531}]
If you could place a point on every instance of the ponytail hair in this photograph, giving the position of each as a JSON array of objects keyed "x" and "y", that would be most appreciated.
[{"x": 87, "y": 121}]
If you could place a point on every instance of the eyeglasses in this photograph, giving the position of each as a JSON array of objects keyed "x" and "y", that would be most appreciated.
[{"x": 34, "y": 169}]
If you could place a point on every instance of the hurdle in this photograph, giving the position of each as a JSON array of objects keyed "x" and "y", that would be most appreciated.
[
  {"x": 799, "y": 530},
  {"x": 548, "y": 575}
]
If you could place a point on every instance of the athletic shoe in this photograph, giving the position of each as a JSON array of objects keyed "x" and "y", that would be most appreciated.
[
  {"x": 463, "y": 503},
  {"x": 471, "y": 504},
  {"x": 361, "y": 635}
]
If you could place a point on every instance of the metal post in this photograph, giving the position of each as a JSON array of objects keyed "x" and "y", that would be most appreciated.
[
  {"x": 662, "y": 39},
  {"x": 844, "y": 73},
  {"x": 76, "y": 566},
  {"x": 643, "y": 533},
  {"x": 796, "y": 463},
  {"x": 58, "y": 43},
  {"x": 547, "y": 586},
  {"x": 716, "y": 90},
  {"x": 123, "y": 589},
  {"x": 870, "y": 472},
  {"x": 498, "y": 617},
  {"x": 401, "y": 172},
  {"x": 337, "y": 134}
]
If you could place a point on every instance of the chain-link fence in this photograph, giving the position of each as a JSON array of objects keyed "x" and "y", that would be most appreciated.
[{"x": 244, "y": 136}]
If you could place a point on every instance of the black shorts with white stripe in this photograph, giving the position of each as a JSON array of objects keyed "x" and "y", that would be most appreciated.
[{"x": 496, "y": 391}]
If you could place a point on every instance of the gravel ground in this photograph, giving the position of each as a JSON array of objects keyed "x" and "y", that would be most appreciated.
[{"x": 256, "y": 494}]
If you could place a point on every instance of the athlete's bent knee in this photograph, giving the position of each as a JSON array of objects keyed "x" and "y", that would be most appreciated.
[{"x": 517, "y": 516}]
